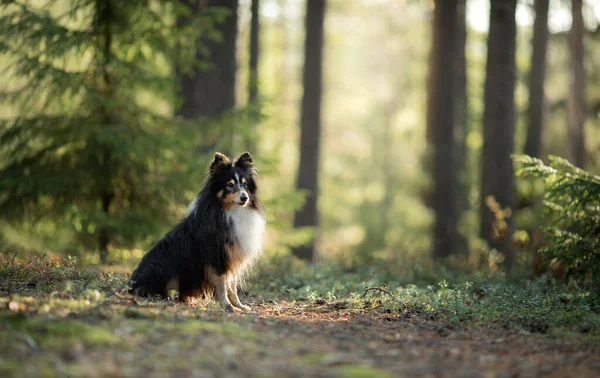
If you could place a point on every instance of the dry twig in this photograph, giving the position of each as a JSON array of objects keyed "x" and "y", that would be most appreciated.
[{"x": 380, "y": 289}]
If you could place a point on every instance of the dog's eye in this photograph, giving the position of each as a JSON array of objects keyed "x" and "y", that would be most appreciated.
[
  {"x": 230, "y": 185},
  {"x": 245, "y": 185}
]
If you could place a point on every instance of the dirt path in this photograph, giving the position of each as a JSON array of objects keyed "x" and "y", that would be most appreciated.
[
  {"x": 120, "y": 338},
  {"x": 408, "y": 347}
]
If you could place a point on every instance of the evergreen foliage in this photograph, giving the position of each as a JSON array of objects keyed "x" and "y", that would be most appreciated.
[
  {"x": 572, "y": 201},
  {"x": 93, "y": 143}
]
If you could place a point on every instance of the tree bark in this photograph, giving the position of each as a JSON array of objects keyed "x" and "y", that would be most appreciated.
[
  {"x": 535, "y": 110},
  {"x": 576, "y": 107},
  {"x": 253, "y": 72},
  {"x": 254, "y": 51},
  {"x": 460, "y": 86},
  {"x": 537, "y": 73},
  {"x": 103, "y": 234},
  {"x": 208, "y": 93},
  {"x": 461, "y": 115},
  {"x": 211, "y": 92},
  {"x": 104, "y": 16},
  {"x": 441, "y": 97},
  {"x": 310, "y": 122},
  {"x": 497, "y": 178}
]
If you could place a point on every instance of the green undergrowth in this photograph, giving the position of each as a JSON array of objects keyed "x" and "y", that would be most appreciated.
[
  {"x": 53, "y": 274},
  {"x": 51, "y": 286},
  {"x": 542, "y": 305}
]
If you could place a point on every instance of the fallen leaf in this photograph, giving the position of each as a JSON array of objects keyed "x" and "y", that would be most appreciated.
[{"x": 16, "y": 306}]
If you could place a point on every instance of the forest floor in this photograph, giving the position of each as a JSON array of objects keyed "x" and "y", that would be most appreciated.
[{"x": 48, "y": 329}]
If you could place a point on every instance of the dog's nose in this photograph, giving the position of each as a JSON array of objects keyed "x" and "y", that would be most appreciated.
[{"x": 243, "y": 197}]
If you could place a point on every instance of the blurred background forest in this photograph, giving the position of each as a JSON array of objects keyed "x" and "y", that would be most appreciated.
[{"x": 383, "y": 129}]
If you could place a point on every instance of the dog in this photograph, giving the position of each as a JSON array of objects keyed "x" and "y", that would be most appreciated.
[{"x": 211, "y": 250}]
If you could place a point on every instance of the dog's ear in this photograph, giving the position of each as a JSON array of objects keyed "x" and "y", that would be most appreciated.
[
  {"x": 219, "y": 161},
  {"x": 244, "y": 161}
]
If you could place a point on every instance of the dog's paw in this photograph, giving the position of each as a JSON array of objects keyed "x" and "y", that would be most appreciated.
[{"x": 245, "y": 308}]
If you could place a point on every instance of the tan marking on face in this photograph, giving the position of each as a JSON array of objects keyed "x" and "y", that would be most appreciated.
[
  {"x": 232, "y": 181},
  {"x": 229, "y": 200},
  {"x": 243, "y": 180},
  {"x": 220, "y": 195}
]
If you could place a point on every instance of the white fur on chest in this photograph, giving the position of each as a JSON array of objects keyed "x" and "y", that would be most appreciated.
[{"x": 248, "y": 229}]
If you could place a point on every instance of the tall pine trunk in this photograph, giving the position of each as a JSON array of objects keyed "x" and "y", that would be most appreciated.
[
  {"x": 497, "y": 178},
  {"x": 441, "y": 125},
  {"x": 208, "y": 93},
  {"x": 253, "y": 70},
  {"x": 576, "y": 100},
  {"x": 537, "y": 73},
  {"x": 461, "y": 114},
  {"x": 254, "y": 51},
  {"x": 535, "y": 110},
  {"x": 389, "y": 172},
  {"x": 461, "y": 121},
  {"x": 103, "y": 19},
  {"x": 310, "y": 122}
]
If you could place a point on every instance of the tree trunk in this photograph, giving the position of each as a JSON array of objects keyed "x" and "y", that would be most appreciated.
[
  {"x": 460, "y": 87},
  {"x": 497, "y": 178},
  {"x": 103, "y": 19},
  {"x": 537, "y": 73},
  {"x": 103, "y": 234},
  {"x": 576, "y": 100},
  {"x": 535, "y": 110},
  {"x": 254, "y": 51},
  {"x": 310, "y": 122},
  {"x": 388, "y": 164},
  {"x": 461, "y": 115},
  {"x": 441, "y": 97},
  {"x": 210, "y": 92},
  {"x": 253, "y": 71}
]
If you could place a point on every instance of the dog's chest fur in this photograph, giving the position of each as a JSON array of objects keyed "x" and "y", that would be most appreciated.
[{"x": 247, "y": 227}]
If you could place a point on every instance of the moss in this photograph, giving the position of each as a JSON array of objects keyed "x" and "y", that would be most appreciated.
[
  {"x": 195, "y": 327},
  {"x": 310, "y": 359},
  {"x": 56, "y": 332},
  {"x": 359, "y": 371},
  {"x": 9, "y": 367}
]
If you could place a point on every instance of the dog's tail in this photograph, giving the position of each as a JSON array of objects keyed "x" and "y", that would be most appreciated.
[
  {"x": 147, "y": 281},
  {"x": 135, "y": 284}
]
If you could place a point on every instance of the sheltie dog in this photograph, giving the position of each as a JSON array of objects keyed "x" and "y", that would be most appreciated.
[{"x": 210, "y": 251}]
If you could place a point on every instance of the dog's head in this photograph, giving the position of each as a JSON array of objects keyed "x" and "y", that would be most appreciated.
[{"x": 233, "y": 182}]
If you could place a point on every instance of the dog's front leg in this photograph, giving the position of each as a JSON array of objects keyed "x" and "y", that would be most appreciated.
[
  {"x": 232, "y": 294},
  {"x": 220, "y": 284}
]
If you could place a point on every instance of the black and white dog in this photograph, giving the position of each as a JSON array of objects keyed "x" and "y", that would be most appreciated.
[{"x": 212, "y": 248}]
